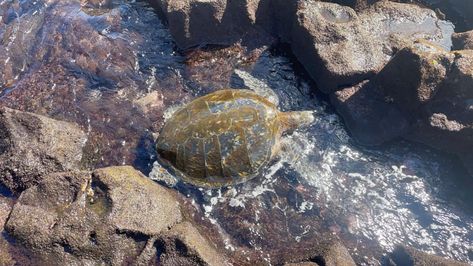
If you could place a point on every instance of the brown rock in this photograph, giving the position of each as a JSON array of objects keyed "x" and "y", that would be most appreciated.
[
  {"x": 370, "y": 116},
  {"x": 423, "y": 68},
  {"x": 200, "y": 22},
  {"x": 32, "y": 146},
  {"x": 407, "y": 256},
  {"x": 139, "y": 205},
  {"x": 5, "y": 208},
  {"x": 463, "y": 40},
  {"x": 184, "y": 245},
  {"x": 113, "y": 216},
  {"x": 340, "y": 47}
]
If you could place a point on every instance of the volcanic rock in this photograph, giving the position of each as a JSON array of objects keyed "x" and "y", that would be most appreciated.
[
  {"x": 114, "y": 216},
  {"x": 463, "y": 40},
  {"x": 407, "y": 256},
  {"x": 32, "y": 146},
  {"x": 341, "y": 47},
  {"x": 200, "y": 22},
  {"x": 370, "y": 116}
]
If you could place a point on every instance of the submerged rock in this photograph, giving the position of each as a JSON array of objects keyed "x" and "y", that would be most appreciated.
[
  {"x": 32, "y": 146},
  {"x": 114, "y": 215},
  {"x": 340, "y": 47}
]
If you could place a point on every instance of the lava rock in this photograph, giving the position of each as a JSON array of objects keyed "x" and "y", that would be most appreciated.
[
  {"x": 463, "y": 40},
  {"x": 330, "y": 253},
  {"x": 184, "y": 245},
  {"x": 407, "y": 256},
  {"x": 414, "y": 76},
  {"x": 5, "y": 208},
  {"x": 96, "y": 3},
  {"x": 369, "y": 115},
  {"x": 32, "y": 146},
  {"x": 423, "y": 94},
  {"x": 112, "y": 216},
  {"x": 199, "y": 22},
  {"x": 341, "y": 47}
]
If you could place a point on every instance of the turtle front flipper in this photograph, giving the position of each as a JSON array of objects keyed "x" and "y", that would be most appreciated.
[
  {"x": 258, "y": 86},
  {"x": 290, "y": 121}
]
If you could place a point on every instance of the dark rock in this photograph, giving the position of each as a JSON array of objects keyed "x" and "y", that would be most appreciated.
[
  {"x": 198, "y": 22},
  {"x": 369, "y": 115},
  {"x": 463, "y": 40},
  {"x": 330, "y": 253},
  {"x": 5, "y": 208},
  {"x": 184, "y": 245},
  {"x": 407, "y": 256},
  {"x": 32, "y": 146},
  {"x": 114, "y": 216},
  {"x": 301, "y": 264},
  {"x": 341, "y": 47},
  {"x": 96, "y": 3},
  {"x": 414, "y": 76},
  {"x": 335, "y": 254},
  {"x": 423, "y": 94}
]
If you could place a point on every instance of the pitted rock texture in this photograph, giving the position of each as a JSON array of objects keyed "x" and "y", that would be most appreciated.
[
  {"x": 340, "y": 47},
  {"x": 113, "y": 216},
  {"x": 200, "y": 22},
  {"x": 407, "y": 256},
  {"x": 463, "y": 40},
  {"x": 423, "y": 94},
  {"x": 32, "y": 146}
]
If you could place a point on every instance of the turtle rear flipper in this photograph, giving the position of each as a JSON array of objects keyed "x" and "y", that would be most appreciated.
[{"x": 162, "y": 175}]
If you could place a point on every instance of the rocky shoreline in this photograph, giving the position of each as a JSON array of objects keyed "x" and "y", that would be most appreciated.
[
  {"x": 385, "y": 76},
  {"x": 351, "y": 54}
]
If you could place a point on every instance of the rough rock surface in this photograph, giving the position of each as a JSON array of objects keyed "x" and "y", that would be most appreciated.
[
  {"x": 340, "y": 47},
  {"x": 113, "y": 216},
  {"x": 407, "y": 256},
  {"x": 463, "y": 40},
  {"x": 430, "y": 104},
  {"x": 33, "y": 145},
  {"x": 200, "y": 22},
  {"x": 368, "y": 114}
]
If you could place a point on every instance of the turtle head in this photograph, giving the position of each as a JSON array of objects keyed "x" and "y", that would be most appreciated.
[{"x": 293, "y": 120}]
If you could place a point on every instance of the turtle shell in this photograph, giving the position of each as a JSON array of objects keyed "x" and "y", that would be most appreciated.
[{"x": 222, "y": 138}]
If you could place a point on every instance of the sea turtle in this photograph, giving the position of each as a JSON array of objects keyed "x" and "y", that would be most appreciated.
[{"x": 225, "y": 137}]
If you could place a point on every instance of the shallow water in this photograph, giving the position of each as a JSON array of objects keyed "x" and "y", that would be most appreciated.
[{"x": 121, "y": 84}]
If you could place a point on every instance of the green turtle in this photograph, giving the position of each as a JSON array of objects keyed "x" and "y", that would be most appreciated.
[{"x": 225, "y": 137}]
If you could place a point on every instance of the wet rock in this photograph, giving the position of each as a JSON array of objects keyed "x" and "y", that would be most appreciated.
[
  {"x": 370, "y": 116},
  {"x": 340, "y": 47},
  {"x": 335, "y": 254},
  {"x": 407, "y": 256},
  {"x": 184, "y": 245},
  {"x": 198, "y": 22},
  {"x": 463, "y": 40},
  {"x": 32, "y": 146},
  {"x": 113, "y": 216},
  {"x": 430, "y": 104},
  {"x": 301, "y": 264},
  {"x": 96, "y": 3},
  {"x": 423, "y": 68},
  {"x": 5, "y": 208},
  {"x": 330, "y": 253},
  {"x": 78, "y": 217}
]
